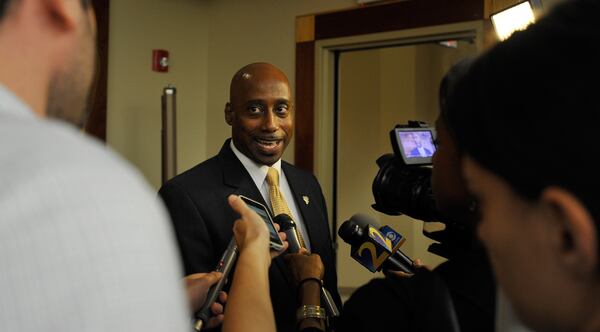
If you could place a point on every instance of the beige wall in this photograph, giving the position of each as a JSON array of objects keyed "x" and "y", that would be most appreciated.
[
  {"x": 358, "y": 147},
  {"x": 133, "y": 120},
  {"x": 208, "y": 40}
]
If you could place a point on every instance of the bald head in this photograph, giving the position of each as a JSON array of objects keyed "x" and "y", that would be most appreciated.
[
  {"x": 251, "y": 75},
  {"x": 260, "y": 112}
]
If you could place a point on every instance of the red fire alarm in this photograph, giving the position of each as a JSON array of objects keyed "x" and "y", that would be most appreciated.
[{"x": 160, "y": 61}]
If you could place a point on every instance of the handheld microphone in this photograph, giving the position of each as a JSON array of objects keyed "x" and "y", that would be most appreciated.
[
  {"x": 375, "y": 248},
  {"x": 224, "y": 266},
  {"x": 288, "y": 226}
]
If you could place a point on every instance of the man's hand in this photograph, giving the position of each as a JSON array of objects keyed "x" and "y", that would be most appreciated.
[
  {"x": 307, "y": 267},
  {"x": 304, "y": 265},
  {"x": 197, "y": 286}
]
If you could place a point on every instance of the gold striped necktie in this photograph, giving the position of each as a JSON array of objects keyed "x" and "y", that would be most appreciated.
[{"x": 278, "y": 201}]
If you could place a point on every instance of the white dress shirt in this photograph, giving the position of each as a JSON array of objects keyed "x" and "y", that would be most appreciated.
[
  {"x": 258, "y": 173},
  {"x": 85, "y": 244}
]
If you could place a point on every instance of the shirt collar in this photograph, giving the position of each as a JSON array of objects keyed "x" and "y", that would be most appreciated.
[
  {"x": 257, "y": 172},
  {"x": 13, "y": 105}
]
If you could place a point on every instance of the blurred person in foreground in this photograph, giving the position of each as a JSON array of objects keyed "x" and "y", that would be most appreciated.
[
  {"x": 84, "y": 243},
  {"x": 515, "y": 115}
]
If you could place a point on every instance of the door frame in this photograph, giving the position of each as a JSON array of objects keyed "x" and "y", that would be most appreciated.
[{"x": 325, "y": 94}]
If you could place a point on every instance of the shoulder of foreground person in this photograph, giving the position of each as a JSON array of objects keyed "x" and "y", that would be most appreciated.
[{"x": 85, "y": 245}]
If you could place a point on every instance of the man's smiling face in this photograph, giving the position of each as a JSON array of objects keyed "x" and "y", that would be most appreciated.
[{"x": 260, "y": 113}]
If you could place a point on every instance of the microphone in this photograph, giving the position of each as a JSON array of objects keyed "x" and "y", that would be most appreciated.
[
  {"x": 375, "y": 248},
  {"x": 224, "y": 266},
  {"x": 288, "y": 226}
]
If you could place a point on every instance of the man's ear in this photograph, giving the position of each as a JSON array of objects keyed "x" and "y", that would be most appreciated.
[
  {"x": 62, "y": 14},
  {"x": 575, "y": 237},
  {"x": 228, "y": 114}
]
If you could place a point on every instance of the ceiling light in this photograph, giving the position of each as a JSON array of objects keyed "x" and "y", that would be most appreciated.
[{"x": 511, "y": 19}]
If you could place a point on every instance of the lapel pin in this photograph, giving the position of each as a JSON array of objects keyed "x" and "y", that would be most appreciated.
[{"x": 306, "y": 199}]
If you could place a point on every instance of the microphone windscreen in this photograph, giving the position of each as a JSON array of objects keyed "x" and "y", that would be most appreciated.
[
  {"x": 351, "y": 231},
  {"x": 285, "y": 222},
  {"x": 348, "y": 230}
]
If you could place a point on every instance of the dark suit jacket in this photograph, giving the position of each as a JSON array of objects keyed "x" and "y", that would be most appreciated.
[{"x": 203, "y": 220}]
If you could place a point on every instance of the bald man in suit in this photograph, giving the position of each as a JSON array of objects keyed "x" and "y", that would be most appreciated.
[{"x": 261, "y": 115}]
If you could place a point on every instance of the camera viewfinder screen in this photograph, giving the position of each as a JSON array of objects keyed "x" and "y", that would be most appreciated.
[{"x": 417, "y": 144}]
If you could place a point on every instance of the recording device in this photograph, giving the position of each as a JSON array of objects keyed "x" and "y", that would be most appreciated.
[
  {"x": 224, "y": 266},
  {"x": 288, "y": 226},
  {"x": 375, "y": 248},
  {"x": 403, "y": 186},
  {"x": 403, "y": 183},
  {"x": 415, "y": 145},
  {"x": 275, "y": 242}
]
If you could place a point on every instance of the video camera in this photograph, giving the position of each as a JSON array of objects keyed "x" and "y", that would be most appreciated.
[{"x": 403, "y": 186}]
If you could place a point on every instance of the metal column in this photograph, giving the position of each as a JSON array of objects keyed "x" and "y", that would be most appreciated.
[{"x": 169, "y": 133}]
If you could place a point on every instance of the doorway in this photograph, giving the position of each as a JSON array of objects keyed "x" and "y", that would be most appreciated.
[
  {"x": 375, "y": 89},
  {"x": 364, "y": 86}
]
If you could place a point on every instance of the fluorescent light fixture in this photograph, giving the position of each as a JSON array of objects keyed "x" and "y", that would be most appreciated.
[{"x": 512, "y": 19}]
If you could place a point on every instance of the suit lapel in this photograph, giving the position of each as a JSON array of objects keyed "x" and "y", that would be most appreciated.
[
  {"x": 236, "y": 176},
  {"x": 306, "y": 204}
]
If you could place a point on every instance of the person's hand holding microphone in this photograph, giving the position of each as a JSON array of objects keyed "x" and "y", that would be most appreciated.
[
  {"x": 307, "y": 272},
  {"x": 249, "y": 307}
]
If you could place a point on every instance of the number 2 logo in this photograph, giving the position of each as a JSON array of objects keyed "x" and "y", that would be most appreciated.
[{"x": 376, "y": 259}]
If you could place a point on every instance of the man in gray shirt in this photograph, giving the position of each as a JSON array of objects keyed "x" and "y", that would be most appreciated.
[{"x": 84, "y": 243}]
